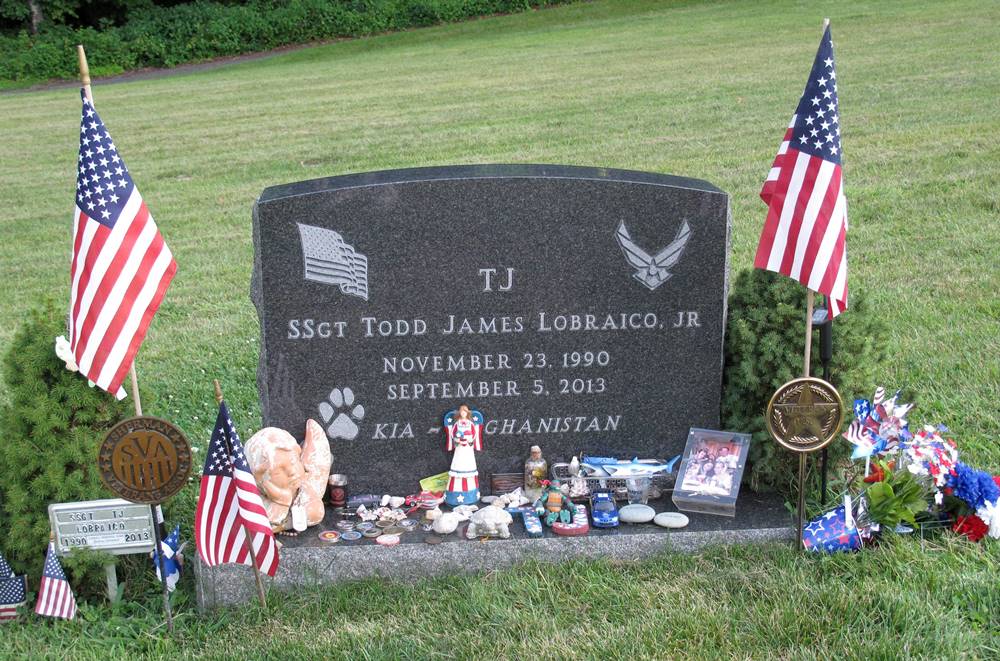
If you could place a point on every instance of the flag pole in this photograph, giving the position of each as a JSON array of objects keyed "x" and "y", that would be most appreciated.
[
  {"x": 246, "y": 533},
  {"x": 805, "y": 372},
  {"x": 159, "y": 527}
]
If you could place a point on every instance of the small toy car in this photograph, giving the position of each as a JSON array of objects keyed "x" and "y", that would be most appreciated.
[{"x": 603, "y": 510}]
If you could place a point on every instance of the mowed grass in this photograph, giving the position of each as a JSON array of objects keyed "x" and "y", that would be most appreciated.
[{"x": 696, "y": 89}]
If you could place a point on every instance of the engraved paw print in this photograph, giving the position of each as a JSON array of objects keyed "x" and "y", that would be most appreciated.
[{"x": 341, "y": 420}]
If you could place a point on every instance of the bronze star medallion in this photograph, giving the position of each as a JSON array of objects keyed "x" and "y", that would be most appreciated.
[
  {"x": 805, "y": 414},
  {"x": 144, "y": 460}
]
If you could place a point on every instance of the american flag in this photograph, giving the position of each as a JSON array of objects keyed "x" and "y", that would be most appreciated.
[
  {"x": 805, "y": 232},
  {"x": 229, "y": 506},
  {"x": 120, "y": 267},
  {"x": 12, "y": 591},
  {"x": 55, "y": 596}
]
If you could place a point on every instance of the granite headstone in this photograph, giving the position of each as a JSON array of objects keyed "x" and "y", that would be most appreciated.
[{"x": 580, "y": 309}]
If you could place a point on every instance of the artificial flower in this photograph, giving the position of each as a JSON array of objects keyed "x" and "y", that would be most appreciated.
[{"x": 970, "y": 526}]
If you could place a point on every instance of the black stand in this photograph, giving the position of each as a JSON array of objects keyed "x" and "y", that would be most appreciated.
[{"x": 821, "y": 319}]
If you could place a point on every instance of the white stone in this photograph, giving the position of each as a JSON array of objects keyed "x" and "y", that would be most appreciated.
[
  {"x": 636, "y": 514},
  {"x": 447, "y": 523},
  {"x": 671, "y": 520}
]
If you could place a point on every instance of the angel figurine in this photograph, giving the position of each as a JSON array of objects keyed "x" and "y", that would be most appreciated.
[{"x": 465, "y": 437}]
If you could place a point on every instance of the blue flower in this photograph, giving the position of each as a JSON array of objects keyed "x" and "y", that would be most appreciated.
[{"x": 973, "y": 486}]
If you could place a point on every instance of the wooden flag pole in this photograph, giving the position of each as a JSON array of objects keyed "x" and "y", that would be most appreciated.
[
  {"x": 246, "y": 533},
  {"x": 158, "y": 520},
  {"x": 805, "y": 372}
]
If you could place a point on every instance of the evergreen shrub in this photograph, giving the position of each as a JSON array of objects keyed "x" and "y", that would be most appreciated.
[
  {"x": 51, "y": 426},
  {"x": 765, "y": 341},
  {"x": 165, "y": 36}
]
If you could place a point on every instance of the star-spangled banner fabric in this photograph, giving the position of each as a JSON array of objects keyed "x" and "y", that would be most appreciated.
[
  {"x": 229, "y": 505},
  {"x": 55, "y": 596},
  {"x": 805, "y": 234},
  {"x": 12, "y": 591},
  {"x": 120, "y": 266}
]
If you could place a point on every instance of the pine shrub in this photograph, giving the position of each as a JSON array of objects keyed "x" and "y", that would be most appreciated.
[
  {"x": 765, "y": 341},
  {"x": 52, "y": 425}
]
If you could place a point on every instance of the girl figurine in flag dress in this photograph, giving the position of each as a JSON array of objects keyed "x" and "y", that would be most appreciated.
[{"x": 465, "y": 437}]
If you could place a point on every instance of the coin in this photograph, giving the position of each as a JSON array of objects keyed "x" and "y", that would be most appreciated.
[
  {"x": 394, "y": 530},
  {"x": 363, "y": 526},
  {"x": 329, "y": 536},
  {"x": 385, "y": 523},
  {"x": 345, "y": 525},
  {"x": 351, "y": 536},
  {"x": 372, "y": 532},
  {"x": 408, "y": 523},
  {"x": 432, "y": 539}
]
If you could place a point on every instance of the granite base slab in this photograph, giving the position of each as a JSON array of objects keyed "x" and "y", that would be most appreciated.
[{"x": 308, "y": 561}]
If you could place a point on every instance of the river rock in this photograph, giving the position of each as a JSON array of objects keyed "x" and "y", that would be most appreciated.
[
  {"x": 636, "y": 514},
  {"x": 670, "y": 520}
]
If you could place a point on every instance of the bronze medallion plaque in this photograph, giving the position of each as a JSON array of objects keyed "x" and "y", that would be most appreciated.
[
  {"x": 145, "y": 460},
  {"x": 805, "y": 414}
]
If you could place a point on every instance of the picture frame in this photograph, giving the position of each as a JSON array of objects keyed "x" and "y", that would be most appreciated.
[{"x": 711, "y": 470}]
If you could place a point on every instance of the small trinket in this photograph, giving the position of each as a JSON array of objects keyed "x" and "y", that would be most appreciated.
[
  {"x": 535, "y": 469},
  {"x": 345, "y": 525},
  {"x": 338, "y": 490},
  {"x": 394, "y": 530},
  {"x": 464, "y": 428},
  {"x": 427, "y": 527},
  {"x": 364, "y": 526},
  {"x": 351, "y": 536},
  {"x": 578, "y": 526},
  {"x": 331, "y": 536},
  {"x": 409, "y": 524},
  {"x": 373, "y": 532},
  {"x": 385, "y": 523},
  {"x": 388, "y": 540}
]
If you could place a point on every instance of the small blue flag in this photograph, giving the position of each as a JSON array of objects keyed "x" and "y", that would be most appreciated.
[{"x": 171, "y": 547}]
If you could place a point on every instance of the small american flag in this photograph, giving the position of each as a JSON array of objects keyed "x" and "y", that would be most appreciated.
[
  {"x": 55, "y": 596},
  {"x": 229, "y": 505},
  {"x": 805, "y": 232},
  {"x": 120, "y": 266},
  {"x": 12, "y": 591}
]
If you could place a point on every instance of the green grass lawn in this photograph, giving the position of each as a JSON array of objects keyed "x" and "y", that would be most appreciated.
[{"x": 696, "y": 89}]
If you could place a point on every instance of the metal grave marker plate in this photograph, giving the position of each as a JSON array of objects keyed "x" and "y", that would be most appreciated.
[
  {"x": 580, "y": 309},
  {"x": 113, "y": 526}
]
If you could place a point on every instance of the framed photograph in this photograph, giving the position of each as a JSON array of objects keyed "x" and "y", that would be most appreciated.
[{"x": 708, "y": 480}]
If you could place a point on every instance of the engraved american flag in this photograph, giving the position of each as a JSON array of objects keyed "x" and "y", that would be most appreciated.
[{"x": 328, "y": 259}]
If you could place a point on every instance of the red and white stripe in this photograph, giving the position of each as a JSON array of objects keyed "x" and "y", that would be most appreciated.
[
  {"x": 118, "y": 278},
  {"x": 805, "y": 232},
  {"x": 463, "y": 484},
  {"x": 228, "y": 509},
  {"x": 55, "y": 599},
  {"x": 9, "y": 612}
]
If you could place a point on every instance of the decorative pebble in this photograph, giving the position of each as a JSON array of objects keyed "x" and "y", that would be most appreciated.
[
  {"x": 387, "y": 540},
  {"x": 671, "y": 520},
  {"x": 351, "y": 536},
  {"x": 489, "y": 500},
  {"x": 636, "y": 514}
]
